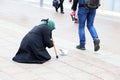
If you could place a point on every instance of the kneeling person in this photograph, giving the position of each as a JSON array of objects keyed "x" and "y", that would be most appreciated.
[{"x": 33, "y": 45}]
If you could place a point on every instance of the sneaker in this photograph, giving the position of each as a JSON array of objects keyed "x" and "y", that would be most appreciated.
[
  {"x": 96, "y": 45},
  {"x": 80, "y": 47}
]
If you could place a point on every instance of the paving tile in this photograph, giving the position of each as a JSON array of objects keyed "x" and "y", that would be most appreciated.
[
  {"x": 4, "y": 76},
  {"x": 56, "y": 76}
]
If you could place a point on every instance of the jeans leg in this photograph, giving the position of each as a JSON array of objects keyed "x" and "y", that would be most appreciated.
[
  {"x": 90, "y": 24},
  {"x": 81, "y": 25}
]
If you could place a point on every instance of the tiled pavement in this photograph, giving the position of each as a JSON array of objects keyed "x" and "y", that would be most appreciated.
[{"x": 76, "y": 65}]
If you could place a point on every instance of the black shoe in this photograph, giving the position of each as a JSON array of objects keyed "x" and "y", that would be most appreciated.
[
  {"x": 62, "y": 12},
  {"x": 80, "y": 47},
  {"x": 56, "y": 9},
  {"x": 96, "y": 45}
]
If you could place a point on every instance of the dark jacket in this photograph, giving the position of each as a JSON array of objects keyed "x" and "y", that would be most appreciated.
[
  {"x": 33, "y": 46},
  {"x": 74, "y": 5}
]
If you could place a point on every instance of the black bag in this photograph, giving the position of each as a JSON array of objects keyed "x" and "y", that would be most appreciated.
[
  {"x": 55, "y": 3},
  {"x": 92, "y": 4}
]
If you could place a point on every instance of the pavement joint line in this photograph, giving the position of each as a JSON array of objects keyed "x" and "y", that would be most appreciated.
[
  {"x": 13, "y": 27},
  {"x": 74, "y": 67},
  {"x": 77, "y": 68},
  {"x": 5, "y": 76}
]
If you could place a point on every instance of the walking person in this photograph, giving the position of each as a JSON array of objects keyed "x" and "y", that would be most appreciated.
[
  {"x": 60, "y": 5},
  {"x": 34, "y": 44},
  {"x": 85, "y": 13}
]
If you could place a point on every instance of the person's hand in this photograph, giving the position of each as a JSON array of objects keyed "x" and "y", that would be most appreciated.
[
  {"x": 73, "y": 13},
  {"x": 52, "y": 41}
]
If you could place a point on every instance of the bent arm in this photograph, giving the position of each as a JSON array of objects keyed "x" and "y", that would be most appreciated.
[
  {"x": 74, "y": 5},
  {"x": 47, "y": 37}
]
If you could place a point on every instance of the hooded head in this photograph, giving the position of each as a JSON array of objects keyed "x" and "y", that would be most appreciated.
[{"x": 49, "y": 22}]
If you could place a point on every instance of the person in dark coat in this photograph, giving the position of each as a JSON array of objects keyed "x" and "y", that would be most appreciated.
[
  {"x": 33, "y": 45},
  {"x": 60, "y": 5}
]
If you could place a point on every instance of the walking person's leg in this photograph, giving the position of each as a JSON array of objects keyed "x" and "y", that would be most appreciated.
[
  {"x": 81, "y": 28},
  {"x": 61, "y": 6},
  {"x": 92, "y": 30}
]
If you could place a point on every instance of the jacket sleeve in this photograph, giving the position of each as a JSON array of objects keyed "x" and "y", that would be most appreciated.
[
  {"x": 46, "y": 33},
  {"x": 74, "y": 5}
]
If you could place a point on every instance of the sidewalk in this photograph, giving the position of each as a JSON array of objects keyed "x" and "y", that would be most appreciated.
[{"x": 76, "y": 65}]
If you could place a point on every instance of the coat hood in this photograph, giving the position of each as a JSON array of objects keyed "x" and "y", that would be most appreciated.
[{"x": 49, "y": 22}]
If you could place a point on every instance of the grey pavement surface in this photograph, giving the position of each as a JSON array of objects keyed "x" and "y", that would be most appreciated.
[{"x": 17, "y": 17}]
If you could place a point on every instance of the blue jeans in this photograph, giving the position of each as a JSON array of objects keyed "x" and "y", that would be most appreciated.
[{"x": 83, "y": 16}]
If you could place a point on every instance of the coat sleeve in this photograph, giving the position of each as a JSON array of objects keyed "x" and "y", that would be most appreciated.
[
  {"x": 74, "y": 5},
  {"x": 46, "y": 34}
]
